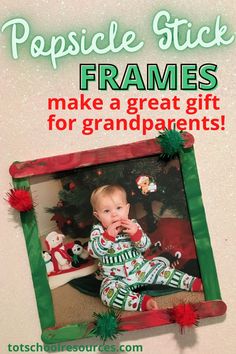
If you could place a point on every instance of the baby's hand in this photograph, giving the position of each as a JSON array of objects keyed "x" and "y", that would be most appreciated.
[
  {"x": 114, "y": 229},
  {"x": 129, "y": 227}
]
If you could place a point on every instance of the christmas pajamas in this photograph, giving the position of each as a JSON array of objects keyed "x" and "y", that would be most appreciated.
[{"x": 125, "y": 269}]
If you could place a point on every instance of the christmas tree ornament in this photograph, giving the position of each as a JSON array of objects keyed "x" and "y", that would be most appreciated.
[
  {"x": 184, "y": 315},
  {"x": 147, "y": 184},
  {"x": 171, "y": 142},
  {"x": 20, "y": 199},
  {"x": 72, "y": 186},
  {"x": 60, "y": 204},
  {"x": 99, "y": 172},
  {"x": 106, "y": 325},
  {"x": 59, "y": 219}
]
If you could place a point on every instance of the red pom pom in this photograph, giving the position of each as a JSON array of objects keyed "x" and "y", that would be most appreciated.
[
  {"x": 20, "y": 199},
  {"x": 184, "y": 315}
]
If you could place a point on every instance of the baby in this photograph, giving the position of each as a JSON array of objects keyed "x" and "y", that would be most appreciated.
[{"x": 118, "y": 243}]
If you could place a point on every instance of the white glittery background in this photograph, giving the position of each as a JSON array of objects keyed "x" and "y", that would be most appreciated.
[{"x": 25, "y": 86}]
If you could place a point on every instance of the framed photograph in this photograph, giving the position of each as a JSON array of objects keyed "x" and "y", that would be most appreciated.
[{"x": 165, "y": 199}]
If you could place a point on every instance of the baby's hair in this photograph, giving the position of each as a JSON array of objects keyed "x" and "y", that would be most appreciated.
[{"x": 108, "y": 189}]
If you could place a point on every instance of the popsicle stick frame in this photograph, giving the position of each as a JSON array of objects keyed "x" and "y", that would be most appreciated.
[{"x": 22, "y": 172}]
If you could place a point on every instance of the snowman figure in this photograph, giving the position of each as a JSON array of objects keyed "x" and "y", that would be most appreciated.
[{"x": 60, "y": 257}]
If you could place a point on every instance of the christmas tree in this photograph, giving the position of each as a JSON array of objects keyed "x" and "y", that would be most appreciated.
[{"x": 73, "y": 212}]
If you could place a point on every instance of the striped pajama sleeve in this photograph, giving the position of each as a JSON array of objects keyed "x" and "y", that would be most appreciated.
[{"x": 98, "y": 245}]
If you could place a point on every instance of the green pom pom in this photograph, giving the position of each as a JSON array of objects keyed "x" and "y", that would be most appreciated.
[
  {"x": 171, "y": 142},
  {"x": 106, "y": 325}
]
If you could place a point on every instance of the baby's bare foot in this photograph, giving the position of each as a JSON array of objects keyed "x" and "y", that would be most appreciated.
[{"x": 151, "y": 305}]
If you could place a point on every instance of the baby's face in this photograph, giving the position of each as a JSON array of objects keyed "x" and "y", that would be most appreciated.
[{"x": 111, "y": 208}]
